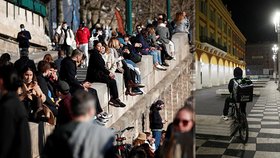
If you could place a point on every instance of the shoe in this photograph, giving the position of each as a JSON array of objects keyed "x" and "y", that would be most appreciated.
[
  {"x": 113, "y": 102},
  {"x": 137, "y": 91},
  {"x": 140, "y": 85},
  {"x": 129, "y": 92},
  {"x": 168, "y": 58},
  {"x": 104, "y": 115},
  {"x": 165, "y": 64},
  {"x": 173, "y": 58},
  {"x": 101, "y": 121},
  {"x": 225, "y": 118},
  {"x": 159, "y": 67},
  {"x": 132, "y": 84},
  {"x": 120, "y": 103}
]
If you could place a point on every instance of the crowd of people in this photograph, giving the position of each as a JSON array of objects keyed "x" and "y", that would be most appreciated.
[{"x": 50, "y": 92}]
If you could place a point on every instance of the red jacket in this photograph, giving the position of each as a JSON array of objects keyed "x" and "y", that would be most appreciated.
[{"x": 82, "y": 35}]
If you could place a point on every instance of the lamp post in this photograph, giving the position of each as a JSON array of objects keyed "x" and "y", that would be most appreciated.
[
  {"x": 276, "y": 20},
  {"x": 274, "y": 57}
]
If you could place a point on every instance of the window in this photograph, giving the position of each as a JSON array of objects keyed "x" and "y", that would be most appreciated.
[
  {"x": 212, "y": 14},
  {"x": 7, "y": 9},
  {"x": 219, "y": 22},
  {"x": 203, "y": 7},
  {"x": 225, "y": 27}
]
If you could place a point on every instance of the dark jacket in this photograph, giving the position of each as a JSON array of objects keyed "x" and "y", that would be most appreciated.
[
  {"x": 23, "y": 38},
  {"x": 64, "y": 111},
  {"x": 83, "y": 139},
  {"x": 231, "y": 83},
  {"x": 14, "y": 134},
  {"x": 155, "y": 118},
  {"x": 43, "y": 83},
  {"x": 68, "y": 73},
  {"x": 163, "y": 33},
  {"x": 96, "y": 67},
  {"x": 23, "y": 62}
]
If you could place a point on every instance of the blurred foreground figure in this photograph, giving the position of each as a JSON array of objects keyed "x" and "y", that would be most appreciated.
[
  {"x": 14, "y": 133},
  {"x": 80, "y": 138}
]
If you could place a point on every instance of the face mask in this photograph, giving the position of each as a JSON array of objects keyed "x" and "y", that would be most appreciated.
[
  {"x": 22, "y": 29},
  {"x": 64, "y": 27}
]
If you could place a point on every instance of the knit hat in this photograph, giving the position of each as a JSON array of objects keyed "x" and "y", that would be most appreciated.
[
  {"x": 63, "y": 87},
  {"x": 142, "y": 136}
]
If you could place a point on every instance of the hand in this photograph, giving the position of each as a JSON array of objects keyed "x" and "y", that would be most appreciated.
[
  {"x": 112, "y": 75},
  {"x": 153, "y": 48},
  {"x": 164, "y": 121}
]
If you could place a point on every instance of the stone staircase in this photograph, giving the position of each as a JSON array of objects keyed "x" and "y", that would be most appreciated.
[{"x": 214, "y": 125}]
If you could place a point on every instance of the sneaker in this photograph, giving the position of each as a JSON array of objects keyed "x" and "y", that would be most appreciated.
[
  {"x": 104, "y": 115},
  {"x": 120, "y": 103},
  {"x": 225, "y": 118},
  {"x": 159, "y": 67},
  {"x": 140, "y": 85},
  {"x": 173, "y": 58},
  {"x": 101, "y": 121}
]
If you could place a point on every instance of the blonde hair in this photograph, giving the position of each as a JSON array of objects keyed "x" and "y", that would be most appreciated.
[{"x": 114, "y": 43}]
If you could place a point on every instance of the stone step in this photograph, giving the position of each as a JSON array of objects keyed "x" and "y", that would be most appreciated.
[
  {"x": 214, "y": 125},
  {"x": 256, "y": 92}
]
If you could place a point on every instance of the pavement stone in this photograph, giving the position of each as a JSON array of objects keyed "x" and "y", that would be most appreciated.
[{"x": 264, "y": 131}]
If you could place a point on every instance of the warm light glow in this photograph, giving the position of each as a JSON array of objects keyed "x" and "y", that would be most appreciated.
[
  {"x": 275, "y": 48},
  {"x": 276, "y": 21}
]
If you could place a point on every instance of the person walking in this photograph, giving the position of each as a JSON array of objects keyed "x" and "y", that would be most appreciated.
[
  {"x": 66, "y": 38},
  {"x": 23, "y": 38}
]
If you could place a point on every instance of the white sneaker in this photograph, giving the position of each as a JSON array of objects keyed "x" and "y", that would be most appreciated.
[
  {"x": 225, "y": 118},
  {"x": 104, "y": 115},
  {"x": 160, "y": 67}
]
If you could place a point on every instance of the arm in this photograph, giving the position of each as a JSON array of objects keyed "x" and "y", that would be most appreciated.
[
  {"x": 230, "y": 85},
  {"x": 39, "y": 92},
  {"x": 113, "y": 67}
]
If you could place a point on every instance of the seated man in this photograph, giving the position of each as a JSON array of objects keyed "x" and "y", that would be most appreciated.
[
  {"x": 68, "y": 73},
  {"x": 237, "y": 73}
]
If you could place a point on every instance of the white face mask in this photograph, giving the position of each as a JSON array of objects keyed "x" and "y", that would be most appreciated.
[
  {"x": 65, "y": 27},
  {"x": 22, "y": 29}
]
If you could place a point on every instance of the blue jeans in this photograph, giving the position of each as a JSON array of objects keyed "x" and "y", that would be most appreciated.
[
  {"x": 157, "y": 136},
  {"x": 156, "y": 56}
]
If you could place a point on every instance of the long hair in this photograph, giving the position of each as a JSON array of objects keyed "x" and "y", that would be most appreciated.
[{"x": 179, "y": 17}]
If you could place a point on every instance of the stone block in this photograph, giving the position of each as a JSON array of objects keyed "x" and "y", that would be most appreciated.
[
  {"x": 102, "y": 92},
  {"x": 146, "y": 65}
]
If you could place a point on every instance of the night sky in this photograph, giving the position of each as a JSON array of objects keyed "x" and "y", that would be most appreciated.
[{"x": 254, "y": 18}]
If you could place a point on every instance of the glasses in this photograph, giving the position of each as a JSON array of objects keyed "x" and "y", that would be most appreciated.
[{"x": 176, "y": 122}]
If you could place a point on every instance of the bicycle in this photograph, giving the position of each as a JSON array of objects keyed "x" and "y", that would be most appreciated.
[
  {"x": 122, "y": 149},
  {"x": 240, "y": 121}
]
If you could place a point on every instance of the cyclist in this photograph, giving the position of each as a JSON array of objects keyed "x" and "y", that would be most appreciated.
[{"x": 237, "y": 73}]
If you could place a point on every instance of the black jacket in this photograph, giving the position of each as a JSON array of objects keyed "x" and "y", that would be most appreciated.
[
  {"x": 14, "y": 134},
  {"x": 68, "y": 73},
  {"x": 44, "y": 85},
  {"x": 155, "y": 119},
  {"x": 23, "y": 38},
  {"x": 96, "y": 67}
]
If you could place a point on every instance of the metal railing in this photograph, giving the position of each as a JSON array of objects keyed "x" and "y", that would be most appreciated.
[{"x": 212, "y": 42}]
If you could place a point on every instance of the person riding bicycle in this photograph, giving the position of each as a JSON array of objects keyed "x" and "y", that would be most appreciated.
[{"x": 237, "y": 73}]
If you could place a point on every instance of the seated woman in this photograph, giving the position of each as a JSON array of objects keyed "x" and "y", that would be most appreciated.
[
  {"x": 125, "y": 67},
  {"x": 31, "y": 94},
  {"x": 97, "y": 72}
]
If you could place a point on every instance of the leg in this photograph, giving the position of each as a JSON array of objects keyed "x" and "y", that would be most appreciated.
[
  {"x": 172, "y": 48},
  {"x": 94, "y": 93},
  {"x": 157, "y": 136},
  {"x": 226, "y": 106},
  {"x": 155, "y": 58},
  {"x": 243, "y": 107}
]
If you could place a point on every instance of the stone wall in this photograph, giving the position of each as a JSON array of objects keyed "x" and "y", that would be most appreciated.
[{"x": 12, "y": 16}]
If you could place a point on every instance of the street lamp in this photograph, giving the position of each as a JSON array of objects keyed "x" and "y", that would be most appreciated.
[
  {"x": 274, "y": 57},
  {"x": 276, "y": 21}
]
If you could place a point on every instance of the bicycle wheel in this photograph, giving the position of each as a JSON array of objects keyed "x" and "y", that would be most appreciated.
[{"x": 243, "y": 128}]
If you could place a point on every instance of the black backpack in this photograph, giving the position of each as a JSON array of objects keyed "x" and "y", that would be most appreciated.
[{"x": 243, "y": 90}]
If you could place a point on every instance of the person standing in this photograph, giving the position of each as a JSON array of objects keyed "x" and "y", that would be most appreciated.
[
  {"x": 66, "y": 38},
  {"x": 23, "y": 38},
  {"x": 82, "y": 38},
  {"x": 156, "y": 122},
  {"x": 14, "y": 134}
]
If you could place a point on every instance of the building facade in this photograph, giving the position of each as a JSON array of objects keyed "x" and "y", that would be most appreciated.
[
  {"x": 259, "y": 59},
  {"x": 220, "y": 46}
]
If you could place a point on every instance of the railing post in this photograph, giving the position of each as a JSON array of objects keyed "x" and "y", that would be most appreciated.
[{"x": 128, "y": 6}]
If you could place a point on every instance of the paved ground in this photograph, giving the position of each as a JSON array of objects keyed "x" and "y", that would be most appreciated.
[{"x": 264, "y": 132}]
